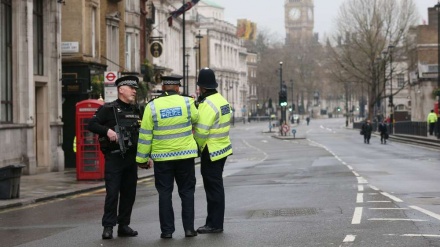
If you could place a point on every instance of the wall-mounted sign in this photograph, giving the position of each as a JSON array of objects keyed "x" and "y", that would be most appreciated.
[
  {"x": 156, "y": 49},
  {"x": 69, "y": 47}
]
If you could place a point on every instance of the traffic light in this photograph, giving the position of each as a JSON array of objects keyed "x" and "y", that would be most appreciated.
[
  {"x": 390, "y": 101},
  {"x": 283, "y": 98},
  {"x": 339, "y": 109}
]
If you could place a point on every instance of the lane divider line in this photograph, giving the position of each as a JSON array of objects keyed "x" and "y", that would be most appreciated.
[
  {"x": 349, "y": 239},
  {"x": 395, "y": 219},
  {"x": 357, "y": 216},
  {"x": 434, "y": 215},
  {"x": 391, "y": 197},
  {"x": 360, "y": 198},
  {"x": 362, "y": 180}
]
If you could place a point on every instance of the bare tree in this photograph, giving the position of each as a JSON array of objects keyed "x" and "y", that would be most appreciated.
[{"x": 366, "y": 28}]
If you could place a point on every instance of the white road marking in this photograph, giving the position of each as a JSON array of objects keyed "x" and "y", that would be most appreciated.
[
  {"x": 434, "y": 215},
  {"x": 360, "y": 198},
  {"x": 349, "y": 239},
  {"x": 372, "y": 194},
  {"x": 379, "y": 201},
  {"x": 357, "y": 216},
  {"x": 391, "y": 197},
  {"x": 360, "y": 188},
  {"x": 264, "y": 141},
  {"x": 374, "y": 187},
  {"x": 355, "y": 173},
  {"x": 388, "y": 208},
  {"x": 362, "y": 180},
  {"x": 421, "y": 235},
  {"x": 343, "y": 162},
  {"x": 349, "y": 167},
  {"x": 395, "y": 219}
]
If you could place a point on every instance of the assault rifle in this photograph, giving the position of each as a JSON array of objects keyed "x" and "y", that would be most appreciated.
[{"x": 120, "y": 132}]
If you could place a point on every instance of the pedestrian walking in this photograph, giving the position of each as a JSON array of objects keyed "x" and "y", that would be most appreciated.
[
  {"x": 117, "y": 124},
  {"x": 367, "y": 128},
  {"x": 308, "y": 120},
  {"x": 432, "y": 120},
  {"x": 383, "y": 130},
  {"x": 212, "y": 136},
  {"x": 166, "y": 137}
]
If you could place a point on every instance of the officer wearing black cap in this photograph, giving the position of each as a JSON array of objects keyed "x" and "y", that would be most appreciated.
[
  {"x": 166, "y": 138},
  {"x": 117, "y": 124},
  {"x": 212, "y": 137}
]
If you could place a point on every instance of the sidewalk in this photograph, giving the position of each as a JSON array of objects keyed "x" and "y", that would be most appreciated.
[{"x": 51, "y": 185}]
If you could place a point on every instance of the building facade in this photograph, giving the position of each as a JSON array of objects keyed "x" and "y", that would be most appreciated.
[
  {"x": 423, "y": 78},
  {"x": 30, "y": 69}
]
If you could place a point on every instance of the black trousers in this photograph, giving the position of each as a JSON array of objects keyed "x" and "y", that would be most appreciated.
[
  {"x": 120, "y": 185},
  {"x": 382, "y": 137},
  {"x": 431, "y": 128},
  {"x": 165, "y": 172},
  {"x": 367, "y": 137},
  {"x": 212, "y": 173}
]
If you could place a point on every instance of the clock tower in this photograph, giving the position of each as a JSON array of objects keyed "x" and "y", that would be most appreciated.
[{"x": 299, "y": 20}]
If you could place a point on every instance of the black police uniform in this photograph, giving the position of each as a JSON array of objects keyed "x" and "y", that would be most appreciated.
[{"x": 120, "y": 169}]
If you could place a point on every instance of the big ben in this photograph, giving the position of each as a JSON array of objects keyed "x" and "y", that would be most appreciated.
[{"x": 299, "y": 20}]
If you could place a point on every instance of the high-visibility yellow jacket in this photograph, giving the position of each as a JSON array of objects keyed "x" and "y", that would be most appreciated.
[
  {"x": 212, "y": 129},
  {"x": 166, "y": 129},
  {"x": 432, "y": 117}
]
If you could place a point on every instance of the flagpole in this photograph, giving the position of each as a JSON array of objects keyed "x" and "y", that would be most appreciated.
[{"x": 184, "y": 51}]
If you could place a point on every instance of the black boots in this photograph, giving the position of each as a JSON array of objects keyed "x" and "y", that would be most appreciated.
[
  {"x": 107, "y": 233},
  {"x": 126, "y": 231}
]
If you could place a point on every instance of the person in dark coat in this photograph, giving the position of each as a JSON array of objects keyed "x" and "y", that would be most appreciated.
[
  {"x": 383, "y": 130},
  {"x": 120, "y": 163},
  {"x": 367, "y": 128}
]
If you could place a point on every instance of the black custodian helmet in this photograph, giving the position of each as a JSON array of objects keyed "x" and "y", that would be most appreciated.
[{"x": 207, "y": 79}]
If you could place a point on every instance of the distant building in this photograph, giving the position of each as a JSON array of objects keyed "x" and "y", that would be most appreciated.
[
  {"x": 30, "y": 88},
  {"x": 423, "y": 77}
]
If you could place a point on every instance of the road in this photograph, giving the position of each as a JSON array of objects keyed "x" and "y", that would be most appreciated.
[{"x": 330, "y": 189}]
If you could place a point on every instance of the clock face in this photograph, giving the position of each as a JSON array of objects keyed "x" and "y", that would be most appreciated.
[
  {"x": 294, "y": 14},
  {"x": 310, "y": 14}
]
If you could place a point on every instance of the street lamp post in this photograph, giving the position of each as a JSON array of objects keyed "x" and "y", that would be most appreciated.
[
  {"x": 390, "y": 49},
  {"x": 198, "y": 61},
  {"x": 437, "y": 7},
  {"x": 283, "y": 113},
  {"x": 186, "y": 89},
  {"x": 291, "y": 82}
]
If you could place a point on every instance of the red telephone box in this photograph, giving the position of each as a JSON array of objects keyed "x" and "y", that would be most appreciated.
[
  {"x": 436, "y": 108},
  {"x": 89, "y": 158}
]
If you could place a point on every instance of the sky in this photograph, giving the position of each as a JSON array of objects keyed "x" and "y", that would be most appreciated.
[{"x": 269, "y": 14}]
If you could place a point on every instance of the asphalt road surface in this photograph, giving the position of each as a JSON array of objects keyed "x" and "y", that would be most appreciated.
[{"x": 330, "y": 189}]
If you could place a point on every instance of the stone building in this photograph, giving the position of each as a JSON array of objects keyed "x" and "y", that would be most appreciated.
[
  {"x": 30, "y": 69},
  {"x": 98, "y": 36},
  {"x": 226, "y": 55},
  {"x": 423, "y": 78}
]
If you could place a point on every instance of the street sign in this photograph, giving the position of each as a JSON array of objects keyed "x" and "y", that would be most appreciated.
[{"x": 110, "y": 77}]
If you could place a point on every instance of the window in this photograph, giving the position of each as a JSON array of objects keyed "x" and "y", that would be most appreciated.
[
  {"x": 93, "y": 34},
  {"x": 38, "y": 37},
  {"x": 128, "y": 52},
  {"x": 6, "y": 61},
  {"x": 400, "y": 80},
  {"x": 113, "y": 46}
]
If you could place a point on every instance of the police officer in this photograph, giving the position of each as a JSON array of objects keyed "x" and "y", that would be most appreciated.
[
  {"x": 122, "y": 116},
  {"x": 166, "y": 137},
  {"x": 432, "y": 120},
  {"x": 212, "y": 136}
]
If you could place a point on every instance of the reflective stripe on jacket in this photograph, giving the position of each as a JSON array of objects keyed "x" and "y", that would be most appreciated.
[
  {"x": 212, "y": 129},
  {"x": 432, "y": 117},
  {"x": 166, "y": 129}
]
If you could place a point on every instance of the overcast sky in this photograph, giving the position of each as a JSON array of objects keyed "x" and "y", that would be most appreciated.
[{"x": 269, "y": 14}]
